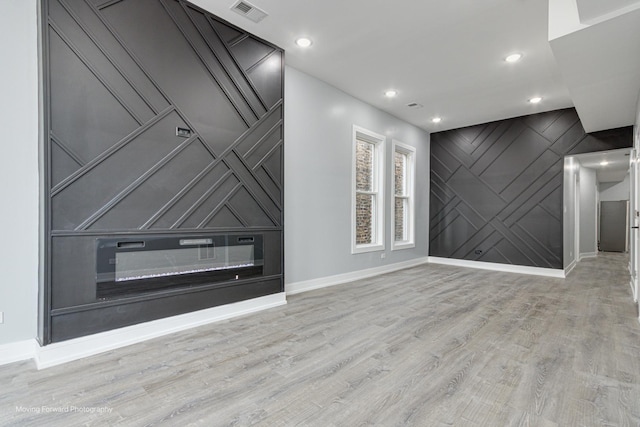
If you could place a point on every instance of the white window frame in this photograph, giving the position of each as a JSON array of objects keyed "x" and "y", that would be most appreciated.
[
  {"x": 378, "y": 169},
  {"x": 410, "y": 176}
]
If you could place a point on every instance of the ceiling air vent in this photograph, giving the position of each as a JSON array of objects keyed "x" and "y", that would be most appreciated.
[
  {"x": 414, "y": 105},
  {"x": 249, "y": 11}
]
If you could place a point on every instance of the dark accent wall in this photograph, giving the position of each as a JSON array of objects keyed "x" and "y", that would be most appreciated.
[
  {"x": 496, "y": 188},
  {"x": 120, "y": 77}
]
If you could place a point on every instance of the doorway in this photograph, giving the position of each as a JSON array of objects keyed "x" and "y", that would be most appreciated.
[{"x": 592, "y": 179}]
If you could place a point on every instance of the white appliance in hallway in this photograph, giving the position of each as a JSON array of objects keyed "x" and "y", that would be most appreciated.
[{"x": 614, "y": 226}]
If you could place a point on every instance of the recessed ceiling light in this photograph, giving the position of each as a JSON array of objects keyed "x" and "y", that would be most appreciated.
[
  {"x": 436, "y": 119},
  {"x": 535, "y": 100},
  {"x": 304, "y": 42},
  {"x": 390, "y": 93},
  {"x": 604, "y": 163},
  {"x": 514, "y": 57}
]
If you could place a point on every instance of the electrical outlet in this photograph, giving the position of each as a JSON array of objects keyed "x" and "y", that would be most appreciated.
[
  {"x": 1, "y": 317},
  {"x": 382, "y": 255}
]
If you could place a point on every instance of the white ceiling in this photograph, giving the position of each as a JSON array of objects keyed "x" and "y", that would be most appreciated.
[
  {"x": 616, "y": 168},
  {"x": 601, "y": 67},
  {"x": 592, "y": 11},
  {"x": 446, "y": 55}
]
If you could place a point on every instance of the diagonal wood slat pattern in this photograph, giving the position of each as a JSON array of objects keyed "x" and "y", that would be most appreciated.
[
  {"x": 496, "y": 188},
  {"x": 224, "y": 101},
  {"x": 162, "y": 120}
]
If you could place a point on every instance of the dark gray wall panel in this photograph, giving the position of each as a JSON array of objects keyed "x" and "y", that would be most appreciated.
[
  {"x": 120, "y": 77},
  {"x": 479, "y": 164},
  {"x": 553, "y": 203},
  {"x": 90, "y": 128},
  {"x": 223, "y": 55},
  {"x": 470, "y": 215},
  {"x": 493, "y": 255},
  {"x": 227, "y": 33},
  {"x": 177, "y": 68},
  {"x": 210, "y": 203},
  {"x": 479, "y": 195},
  {"x": 536, "y": 194},
  {"x": 66, "y": 163},
  {"x": 225, "y": 218},
  {"x": 570, "y": 138},
  {"x": 143, "y": 202},
  {"x": 554, "y": 124},
  {"x": 249, "y": 52},
  {"x": 66, "y": 325},
  {"x": 523, "y": 180},
  {"x": 470, "y": 246},
  {"x": 496, "y": 188},
  {"x": 96, "y": 60},
  {"x": 74, "y": 262},
  {"x": 190, "y": 197},
  {"x": 249, "y": 210},
  {"x": 73, "y": 272},
  {"x": 90, "y": 193},
  {"x": 268, "y": 84},
  {"x": 256, "y": 188},
  {"x": 444, "y": 164},
  {"x": 515, "y": 159},
  {"x": 603, "y": 140},
  {"x": 106, "y": 41},
  {"x": 452, "y": 234}
]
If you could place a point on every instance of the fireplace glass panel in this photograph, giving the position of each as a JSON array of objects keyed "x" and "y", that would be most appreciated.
[
  {"x": 131, "y": 266},
  {"x": 171, "y": 262}
]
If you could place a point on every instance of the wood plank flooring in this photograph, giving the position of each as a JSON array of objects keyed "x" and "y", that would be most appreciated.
[{"x": 427, "y": 346}]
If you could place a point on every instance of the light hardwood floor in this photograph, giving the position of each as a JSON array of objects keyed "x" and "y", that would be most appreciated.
[{"x": 427, "y": 346}]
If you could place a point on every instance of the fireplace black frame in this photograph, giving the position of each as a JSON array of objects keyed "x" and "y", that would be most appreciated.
[{"x": 109, "y": 286}]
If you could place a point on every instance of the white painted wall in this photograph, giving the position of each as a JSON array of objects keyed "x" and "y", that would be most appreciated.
[
  {"x": 19, "y": 169},
  {"x": 635, "y": 212},
  {"x": 563, "y": 18},
  {"x": 594, "y": 11},
  {"x": 614, "y": 191},
  {"x": 318, "y": 156},
  {"x": 588, "y": 211},
  {"x": 571, "y": 167}
]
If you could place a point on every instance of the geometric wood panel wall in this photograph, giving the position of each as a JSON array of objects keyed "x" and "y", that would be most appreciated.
[
  {"x": 122, "y": 76},
  {"x": 496, "y": 188},
  {"x": 120, "y": 88}
]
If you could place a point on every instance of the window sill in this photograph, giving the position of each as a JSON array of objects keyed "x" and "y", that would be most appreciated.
[
  {"x": 367, "y": 248},
  {"x": 402, "y": 245}
]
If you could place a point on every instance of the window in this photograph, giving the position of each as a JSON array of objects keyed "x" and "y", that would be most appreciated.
[
  {"x": 368, "y": 196},
  {"x": 402, "y": 220}
]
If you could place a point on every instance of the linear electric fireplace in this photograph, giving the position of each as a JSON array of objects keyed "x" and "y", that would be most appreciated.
[{"x": 134, "y": 266}]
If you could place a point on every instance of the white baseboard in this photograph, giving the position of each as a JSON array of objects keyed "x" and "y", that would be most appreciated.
[
  {"x": 570, "y": 268},
  {"x": 588, "y": 255},
  {"x": 509, "y": 268},
  {"x": 17, "y": 351},
  {"x": 67, "y": 351},
  {"x": 338, "y": 279}
]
